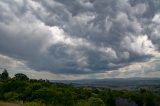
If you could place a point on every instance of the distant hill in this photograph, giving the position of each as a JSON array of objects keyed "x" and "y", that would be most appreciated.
[{"x": 114, "y": 82}]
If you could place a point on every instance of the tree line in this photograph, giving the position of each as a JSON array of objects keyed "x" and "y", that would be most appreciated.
[
  {"x": 44, "y": 93},
  {"x": 19, "y": 76}
]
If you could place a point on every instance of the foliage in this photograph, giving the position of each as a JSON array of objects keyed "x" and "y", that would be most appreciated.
[
  {"x": 21, "y": 76},
  {"x": 4, "y": 75},
  {"x": 34, "y": 104},
  {"x": 41, "y": 92},
  {"x": 96, "y": 102},
  {"x": 82, "y": 103}
]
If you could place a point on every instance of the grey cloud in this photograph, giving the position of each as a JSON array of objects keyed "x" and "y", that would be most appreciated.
[{"x": 78, "y": 36}]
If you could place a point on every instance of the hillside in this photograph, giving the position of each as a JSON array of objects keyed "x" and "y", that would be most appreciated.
[{"x": 34, "y": 92}]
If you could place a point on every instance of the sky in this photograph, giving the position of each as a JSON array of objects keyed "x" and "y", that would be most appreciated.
[{"x": 80, "y": 39}]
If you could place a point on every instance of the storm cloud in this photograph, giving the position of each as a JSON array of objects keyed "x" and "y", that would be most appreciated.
[{"x": 79, "y": 36}]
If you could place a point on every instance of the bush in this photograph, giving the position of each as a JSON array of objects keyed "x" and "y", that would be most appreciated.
[
  {"x": 82, "y": 103},
  {"x": 34, "y": 104},
  {"x": 11, "y": 96},
  {"x": 96, "y": 102}
]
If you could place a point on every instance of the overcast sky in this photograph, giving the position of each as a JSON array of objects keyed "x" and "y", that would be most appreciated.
[{"x": 80, "y": 39}]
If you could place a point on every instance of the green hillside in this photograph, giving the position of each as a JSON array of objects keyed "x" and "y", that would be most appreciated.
[{"x": 31, "y": 92}]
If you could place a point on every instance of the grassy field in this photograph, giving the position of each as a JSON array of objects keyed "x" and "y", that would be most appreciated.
[{"x": 8, "y": 104}]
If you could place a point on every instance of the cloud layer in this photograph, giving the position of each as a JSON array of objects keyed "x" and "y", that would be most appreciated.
[{"x": 80, "y": 36}]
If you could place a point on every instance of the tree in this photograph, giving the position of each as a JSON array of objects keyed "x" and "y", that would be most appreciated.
[
  {"x": 82, "y": 103},
  {"x": 96, "y": 101},
  {"x": 4, "y": 75},
  {"x": 21, "y": 76}
]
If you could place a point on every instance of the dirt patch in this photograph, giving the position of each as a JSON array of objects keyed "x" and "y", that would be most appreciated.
[{"x": 8, "y": 104}]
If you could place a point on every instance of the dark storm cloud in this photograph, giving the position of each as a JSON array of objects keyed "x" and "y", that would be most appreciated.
[{"x": 79, "y": 36}]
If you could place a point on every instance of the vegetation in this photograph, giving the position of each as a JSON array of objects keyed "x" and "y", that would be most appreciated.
[
  {"x": 4, "y": 75},
  {"x": 44, "y": 93}
]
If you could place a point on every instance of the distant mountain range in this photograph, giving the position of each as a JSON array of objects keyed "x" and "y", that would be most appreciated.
[{"x": 114, "y": 82}]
